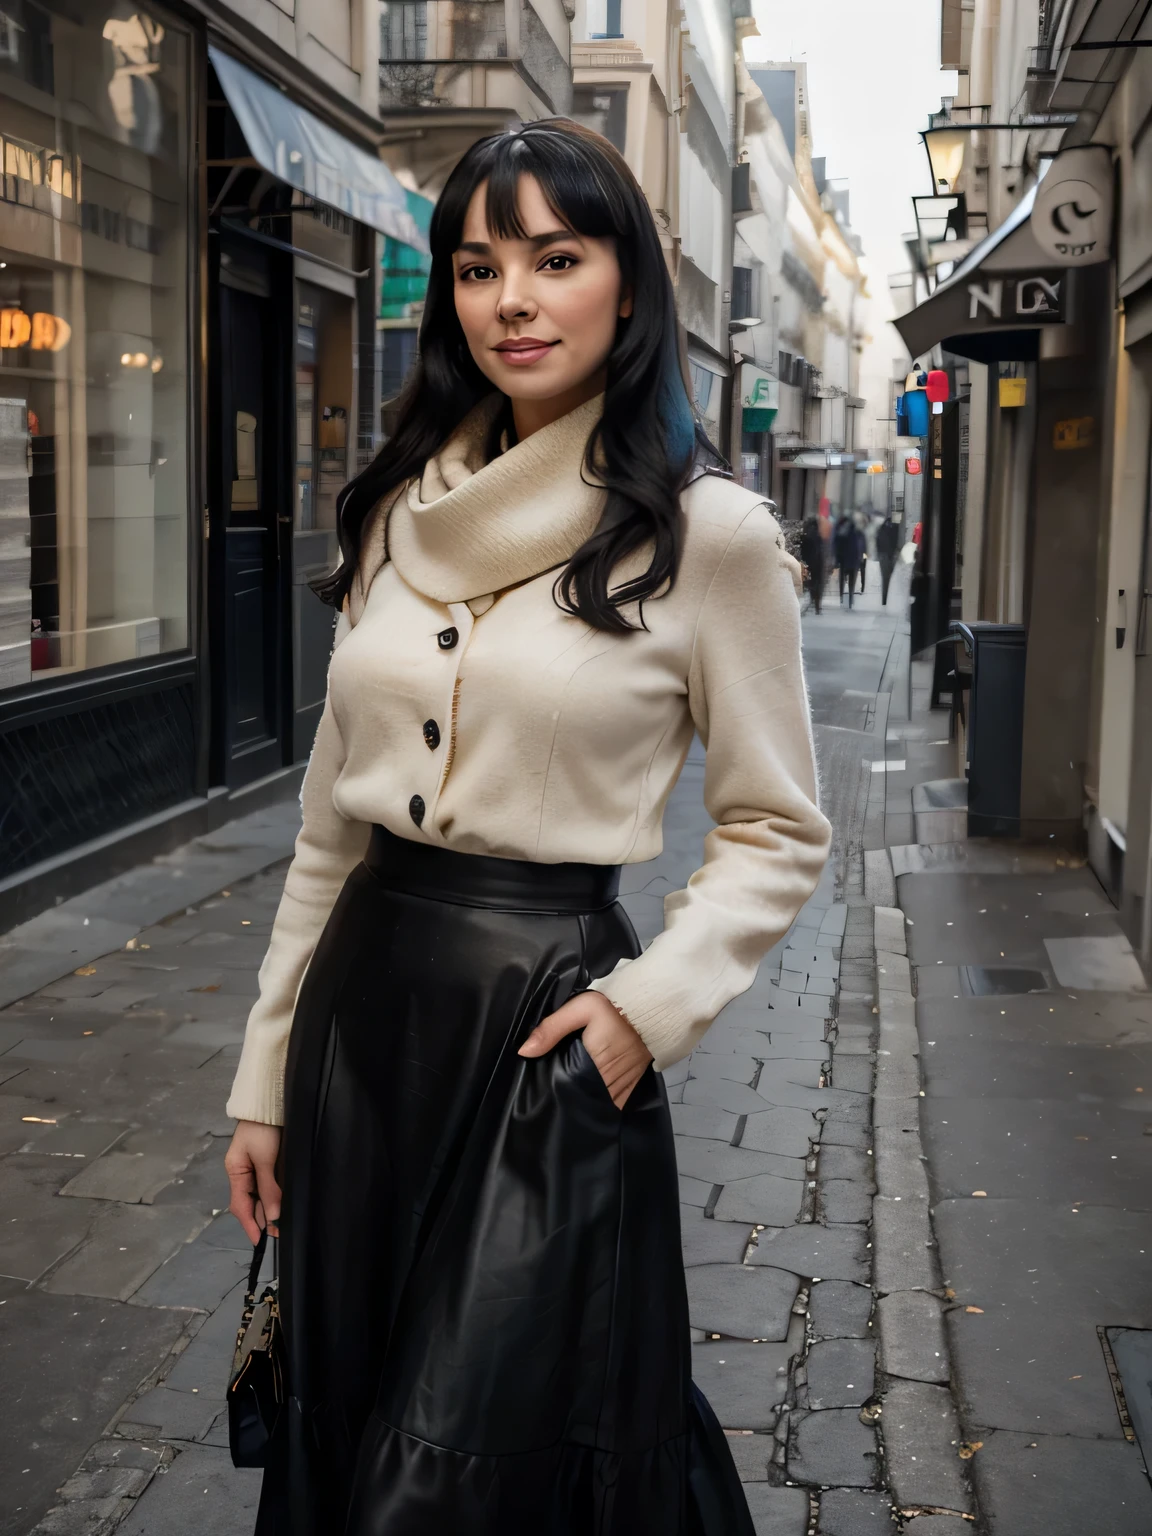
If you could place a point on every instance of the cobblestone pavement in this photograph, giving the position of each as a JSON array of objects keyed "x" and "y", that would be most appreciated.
[{"x": 123, "y": 1278}]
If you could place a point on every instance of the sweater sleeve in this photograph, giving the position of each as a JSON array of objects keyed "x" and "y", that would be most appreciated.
[
  {"x": 327, "y": 850},
  {"x": 763, "y": 860}
]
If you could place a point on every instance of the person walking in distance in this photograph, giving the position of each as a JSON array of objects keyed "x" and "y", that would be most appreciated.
[
  {"x": 863, "y": 522},
  {"x": 812, "y": 555},
  {"x": 887, "y": 552},
  {"x": 543, "y": 594},
  {"x": 848, "y": 544}
]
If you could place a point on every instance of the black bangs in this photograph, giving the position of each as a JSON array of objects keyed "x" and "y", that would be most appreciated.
[
  {"x": 644, "y": 446},
  {"x": 571, "y": 173}
]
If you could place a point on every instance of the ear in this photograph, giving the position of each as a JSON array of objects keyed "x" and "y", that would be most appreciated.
[{"x": 625, "y": 310}]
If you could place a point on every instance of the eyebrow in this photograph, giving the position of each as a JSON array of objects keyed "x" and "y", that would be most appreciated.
[{"x": 482, "y": 248}]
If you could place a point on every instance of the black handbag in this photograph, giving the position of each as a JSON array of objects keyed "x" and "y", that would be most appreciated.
[{"x": 256, "y": 1388}]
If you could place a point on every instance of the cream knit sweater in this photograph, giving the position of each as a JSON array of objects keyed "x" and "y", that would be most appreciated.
[{"x": 465, "y": 710}]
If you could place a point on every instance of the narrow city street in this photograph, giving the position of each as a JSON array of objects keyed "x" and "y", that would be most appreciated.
[
  {"x": 877, "y": 1345},
  {"x": 123, "y": 1277}
]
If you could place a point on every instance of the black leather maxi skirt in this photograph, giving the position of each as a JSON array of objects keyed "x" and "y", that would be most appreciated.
[{"x": 484, "y": 1300}]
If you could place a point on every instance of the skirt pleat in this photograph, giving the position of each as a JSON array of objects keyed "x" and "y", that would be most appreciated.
[{"x": 482, "y": 1288}]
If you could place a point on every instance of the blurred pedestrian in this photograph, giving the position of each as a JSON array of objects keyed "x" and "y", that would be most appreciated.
[
  {"x": 848, "y": 543},
  {"x": 812, "y": 552},
  {"x": 863, "y": 523},
  {"x": 887, "y": 551}
]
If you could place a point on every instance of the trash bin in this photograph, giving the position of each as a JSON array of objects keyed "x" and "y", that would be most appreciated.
[{"x": 995, "y": 736}]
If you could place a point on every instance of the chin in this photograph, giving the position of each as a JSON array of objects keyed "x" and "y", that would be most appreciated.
[{"x": 527, "y": 384}]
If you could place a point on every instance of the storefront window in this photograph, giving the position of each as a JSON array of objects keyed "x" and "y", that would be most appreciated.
[{"x": 94, "y": 309}]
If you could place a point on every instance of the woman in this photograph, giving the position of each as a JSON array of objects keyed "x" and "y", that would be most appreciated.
[{"x": 484, "y": 1303}]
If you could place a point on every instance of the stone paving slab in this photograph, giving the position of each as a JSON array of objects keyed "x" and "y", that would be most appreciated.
[
  {"x": 203, "y": 1367},
  {"x": 166, "y": 1414},
  {"x": 766, "y": 1198},
  {"x": 197, "y": 1276},
  {"x": 838, "y": 1309},
  {"x": 1040, "y": 1484},
  {"x": 911, "y": 1329},
  {"x": 740, "y": 1301},
  {"x": 845, "y": 1200},
  {"x": 125, "y": 1246},
  {"x": 921, "y": 1446},
  {"x": 744, "y": 1383},
  {"x": 710, "y": 1124},
  {"x": 723, "y": 1164},
  {"x": 38, "y": 1229},
  {"x": 814, "y": 1251},
  {"x": 752, "y": 1454},
  {"x": 695, "y": 1192},
  {"x": 201, "y": 1493},
  {"x": 786, "y": 1131},
  {"x": 841, "y": 1373},
  {"x": 724, "y": 1066},
  {"x": 832, "y": 1447},
  {"x": 778, "y": 1511},
  {"x": 1046, "y": 1320},
  {"x": 848, "y": 1512},
  {"x": 64, "y": 1361}
]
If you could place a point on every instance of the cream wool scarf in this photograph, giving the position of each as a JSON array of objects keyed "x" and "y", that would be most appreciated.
[{"x": 468, "y": 528}]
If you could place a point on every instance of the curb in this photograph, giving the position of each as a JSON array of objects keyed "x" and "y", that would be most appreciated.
[{"x": 919, "y": 1425}]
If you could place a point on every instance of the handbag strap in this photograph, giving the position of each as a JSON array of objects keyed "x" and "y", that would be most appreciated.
[{"x": 254, "y": 1271}]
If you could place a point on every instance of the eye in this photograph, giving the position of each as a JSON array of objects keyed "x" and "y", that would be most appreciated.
[
  {"x": 558, "y": 263},
  {"x": 477, "y": 274}
]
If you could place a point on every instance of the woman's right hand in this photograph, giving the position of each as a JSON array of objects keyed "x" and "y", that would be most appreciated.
[{"x": 251, "y": 1167}]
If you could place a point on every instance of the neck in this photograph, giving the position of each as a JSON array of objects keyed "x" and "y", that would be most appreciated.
[{"x": 530, "y": 415}]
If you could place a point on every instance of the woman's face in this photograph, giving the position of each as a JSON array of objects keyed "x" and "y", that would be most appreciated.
[{"x": 539, "y": 314}]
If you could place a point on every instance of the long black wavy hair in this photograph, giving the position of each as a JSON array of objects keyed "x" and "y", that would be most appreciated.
[{"x": 643, "y": 449}]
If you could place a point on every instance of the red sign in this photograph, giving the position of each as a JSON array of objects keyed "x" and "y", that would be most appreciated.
[{"x": 912, "y": 466}]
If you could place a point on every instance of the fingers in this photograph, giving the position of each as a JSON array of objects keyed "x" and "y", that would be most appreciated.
[
  {"x": 242, "y": 1181},
  {"x": 250, "y": 1164},
  {"x": 270, "y": 1196},
  {"x": 575, "y": 1014}
]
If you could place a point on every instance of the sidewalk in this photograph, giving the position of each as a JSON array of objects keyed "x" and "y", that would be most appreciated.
[
  {"x": 118, "y": 1319},
  {"x": 1035, "y": 1037}
]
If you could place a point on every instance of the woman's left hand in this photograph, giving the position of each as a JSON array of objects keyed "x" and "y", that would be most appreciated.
[{"x": 621, "y": 1057}]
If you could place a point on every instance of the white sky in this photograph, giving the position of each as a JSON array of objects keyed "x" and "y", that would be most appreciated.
[{"x": 873, "y": 77}]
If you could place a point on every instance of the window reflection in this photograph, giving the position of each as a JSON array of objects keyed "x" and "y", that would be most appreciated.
[{"x": 94, "y": 296}]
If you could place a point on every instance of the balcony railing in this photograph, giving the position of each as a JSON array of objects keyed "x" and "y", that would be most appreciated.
[
  {"x": 442, "y": 31},
  {"x": 425, "y": 43}
]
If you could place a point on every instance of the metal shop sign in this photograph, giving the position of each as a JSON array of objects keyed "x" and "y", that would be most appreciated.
[{"x": 1014, "y": 299}]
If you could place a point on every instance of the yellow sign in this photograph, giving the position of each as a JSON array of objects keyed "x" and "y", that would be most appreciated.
[
  {"x": 1013, "y": 392},
  {"x": 1078, "y": 432}
]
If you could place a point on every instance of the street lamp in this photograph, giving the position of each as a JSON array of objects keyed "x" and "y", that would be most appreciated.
[{"x": 946, "y": 148}]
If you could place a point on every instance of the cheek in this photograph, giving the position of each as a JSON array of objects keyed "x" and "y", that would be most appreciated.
[
  {"x": 473, "y": 308},
  {"x": 588, "y": 310}
]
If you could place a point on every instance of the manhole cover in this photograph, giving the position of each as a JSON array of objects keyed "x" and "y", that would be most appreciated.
[
  {"x": 1001, "y": 980},
  {"x": 1128, "y": 1355}
]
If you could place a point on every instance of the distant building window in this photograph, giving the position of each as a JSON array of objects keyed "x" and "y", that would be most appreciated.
[
  {"x": 744, "y": 296},
  {"x": 603, "y": 108}
]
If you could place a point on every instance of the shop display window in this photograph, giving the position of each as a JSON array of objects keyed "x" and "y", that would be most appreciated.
[{"x": 94, "y": 322}]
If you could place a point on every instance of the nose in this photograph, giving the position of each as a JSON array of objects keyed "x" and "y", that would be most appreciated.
[{"x": 516, "y": 301}]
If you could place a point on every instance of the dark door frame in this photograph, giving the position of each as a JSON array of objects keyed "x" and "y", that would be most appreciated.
[{"x": 248, "y": 765}]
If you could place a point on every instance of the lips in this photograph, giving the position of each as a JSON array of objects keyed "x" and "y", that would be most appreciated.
[{"x": 520, "y": 351}]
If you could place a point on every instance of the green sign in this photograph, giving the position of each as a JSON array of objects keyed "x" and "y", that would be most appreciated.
[
  {"x": 758, "y": 419},
  {"x": 405, "y": 268}
]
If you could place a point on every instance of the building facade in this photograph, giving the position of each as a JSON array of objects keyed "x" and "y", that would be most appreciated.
[
  {"x": 213, "y": 260},
  {"x": 799, "y": 305},
  {"x": 1041, "y": 519},
  {"x": 201, "y": 250}
]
